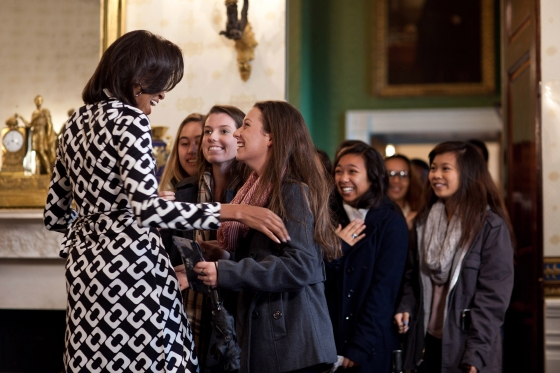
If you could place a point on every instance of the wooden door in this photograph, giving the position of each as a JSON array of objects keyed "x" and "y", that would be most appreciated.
[{"x": 523, "y": 330}]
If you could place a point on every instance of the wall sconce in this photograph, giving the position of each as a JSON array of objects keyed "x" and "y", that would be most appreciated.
[{"x": 241, "y": 31}]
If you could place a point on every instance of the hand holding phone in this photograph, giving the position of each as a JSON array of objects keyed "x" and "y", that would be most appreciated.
[{"x": 191, "y": 255}]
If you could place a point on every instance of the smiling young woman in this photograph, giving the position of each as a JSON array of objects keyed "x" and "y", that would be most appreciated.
[
  {"x": 219, "y": 176},
  {"x": 459, "y": 276},
  {"x": 183, "y": 158},
  {"x": 405, "y": 189},
  {"x": 282, "y": 319},
  {"x": 363, "y": 285}
]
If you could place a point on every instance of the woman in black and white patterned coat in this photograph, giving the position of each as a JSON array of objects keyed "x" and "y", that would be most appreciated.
[{"x": 124, "y": 309}]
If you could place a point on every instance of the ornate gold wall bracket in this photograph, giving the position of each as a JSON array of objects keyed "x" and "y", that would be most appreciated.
[
  {"x": 246, "y": 51},
  {"x": 241, "y": 31}
]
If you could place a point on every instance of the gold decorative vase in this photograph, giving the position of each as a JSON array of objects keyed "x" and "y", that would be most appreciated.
[{"x": 161, "y": 148}]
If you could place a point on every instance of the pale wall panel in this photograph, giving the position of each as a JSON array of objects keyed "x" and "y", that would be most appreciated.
[
  {"x": 211, "y": 74},
  {"x": 550, "y": 61},
  {"x": 47, "y": 47}
]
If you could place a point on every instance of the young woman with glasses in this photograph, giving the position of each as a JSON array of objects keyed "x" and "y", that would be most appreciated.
[
  {"x": 363, "y": 285},
  {"x": 404, "y": 187}
]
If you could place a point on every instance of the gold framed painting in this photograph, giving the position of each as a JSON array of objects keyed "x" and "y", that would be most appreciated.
[{"x": 434, "y": 47}]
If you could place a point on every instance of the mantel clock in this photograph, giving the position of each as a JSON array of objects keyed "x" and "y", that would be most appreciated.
[{"x": 13, "y": 147}]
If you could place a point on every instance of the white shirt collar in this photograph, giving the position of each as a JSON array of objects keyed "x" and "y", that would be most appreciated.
[{"x": 354, "y": 213}]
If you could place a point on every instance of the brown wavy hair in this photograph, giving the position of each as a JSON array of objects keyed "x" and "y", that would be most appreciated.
[
  {"x": 476, "y": 192},
  {"x": 413, "y": 195},
  {"x": 293, "y": 157},
  {"x": 173, "y": 172},
  {"x": 237, "y": 171},
  {"x": 136, "y": 58}
]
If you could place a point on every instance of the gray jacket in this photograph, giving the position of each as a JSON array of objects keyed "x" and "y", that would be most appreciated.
[
  {"x": 479, "y": 294},
  {"x": 282, "y": 318}
]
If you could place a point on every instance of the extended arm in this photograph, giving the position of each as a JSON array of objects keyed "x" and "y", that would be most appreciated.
[
  {"x": 297, "y": 262},
  {"x": 136, "y": 167},
  {"x": 23, "y": 120}
]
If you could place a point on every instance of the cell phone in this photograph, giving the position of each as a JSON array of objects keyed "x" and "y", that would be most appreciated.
[{"x": 191, "y": 254}]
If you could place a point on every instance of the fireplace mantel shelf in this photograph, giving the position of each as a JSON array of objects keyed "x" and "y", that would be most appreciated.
[{"x": 21, "y": 214}]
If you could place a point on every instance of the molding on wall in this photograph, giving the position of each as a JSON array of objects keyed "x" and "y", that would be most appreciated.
[
  {"x": 552, "y": 334},
  {"x": 362, "y": 124},
  {"x": 23, "y": 235},
  {"x": 21, "y": 214}
]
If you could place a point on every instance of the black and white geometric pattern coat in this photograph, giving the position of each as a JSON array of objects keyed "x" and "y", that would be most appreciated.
[{"x": 124, "y": 310}]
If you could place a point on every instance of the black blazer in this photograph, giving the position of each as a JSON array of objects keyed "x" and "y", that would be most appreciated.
[{"x": 362, "y": 289}]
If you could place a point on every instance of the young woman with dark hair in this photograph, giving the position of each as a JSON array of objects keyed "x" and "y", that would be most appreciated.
[
  {"x": 183, "y": 159},
  {"x": 460, "y": 273},
  {"x": 363, "y": 285},
  {"x": 124, "y": 310},
  {"x": 404, "y": 187},
  {"x": 282, "y": 320},
  {"x": 220, "y": 176}
]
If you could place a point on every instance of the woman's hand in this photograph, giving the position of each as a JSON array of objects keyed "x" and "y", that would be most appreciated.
[
  {"x": 402, "y": 319},
  {"x": 347, "y": 363},
  {"x": 212, "y": 251},
  {"x": 207, "y": 272},
  {"x": 352, "y": 233},
  {"x": 469, "y": 368},
  {"x": 181, "y": 273},
  {"x": 166, "y": 194},
  {"x": 257, "y": 218}
]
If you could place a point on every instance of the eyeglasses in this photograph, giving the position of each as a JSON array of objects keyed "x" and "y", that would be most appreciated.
[{"x": 400, "y": 174}]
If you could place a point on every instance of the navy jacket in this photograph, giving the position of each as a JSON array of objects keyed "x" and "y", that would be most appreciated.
[{"x": 362, "y": 289}]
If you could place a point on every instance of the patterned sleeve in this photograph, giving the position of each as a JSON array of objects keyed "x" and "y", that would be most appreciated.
[
  {"x": 58, "y": 214},
  {"x": 136, "y": 166}
]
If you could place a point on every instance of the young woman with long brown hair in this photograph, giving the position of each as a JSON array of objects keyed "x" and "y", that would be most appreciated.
[
  {"x": 460, "y": 273},
  {"x": 282, "y": 318},
  {"x": 219, "y": 177}
]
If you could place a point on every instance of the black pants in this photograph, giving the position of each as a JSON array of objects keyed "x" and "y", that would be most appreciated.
[{"x": 432, "y": 355}]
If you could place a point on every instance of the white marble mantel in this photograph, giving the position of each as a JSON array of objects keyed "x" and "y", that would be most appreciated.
[
  {"x": 31, "y": 272},
  {"x": 23, "y": 235}
]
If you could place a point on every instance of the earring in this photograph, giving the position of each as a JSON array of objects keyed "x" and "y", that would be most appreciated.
[{"x": 140, "y": 92}]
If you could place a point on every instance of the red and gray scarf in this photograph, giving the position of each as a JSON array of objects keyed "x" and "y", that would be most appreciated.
[{"x": 230, "y": 232}]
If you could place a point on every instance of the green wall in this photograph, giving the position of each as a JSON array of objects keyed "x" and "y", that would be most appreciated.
[{"x": 330, "y": 65}]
